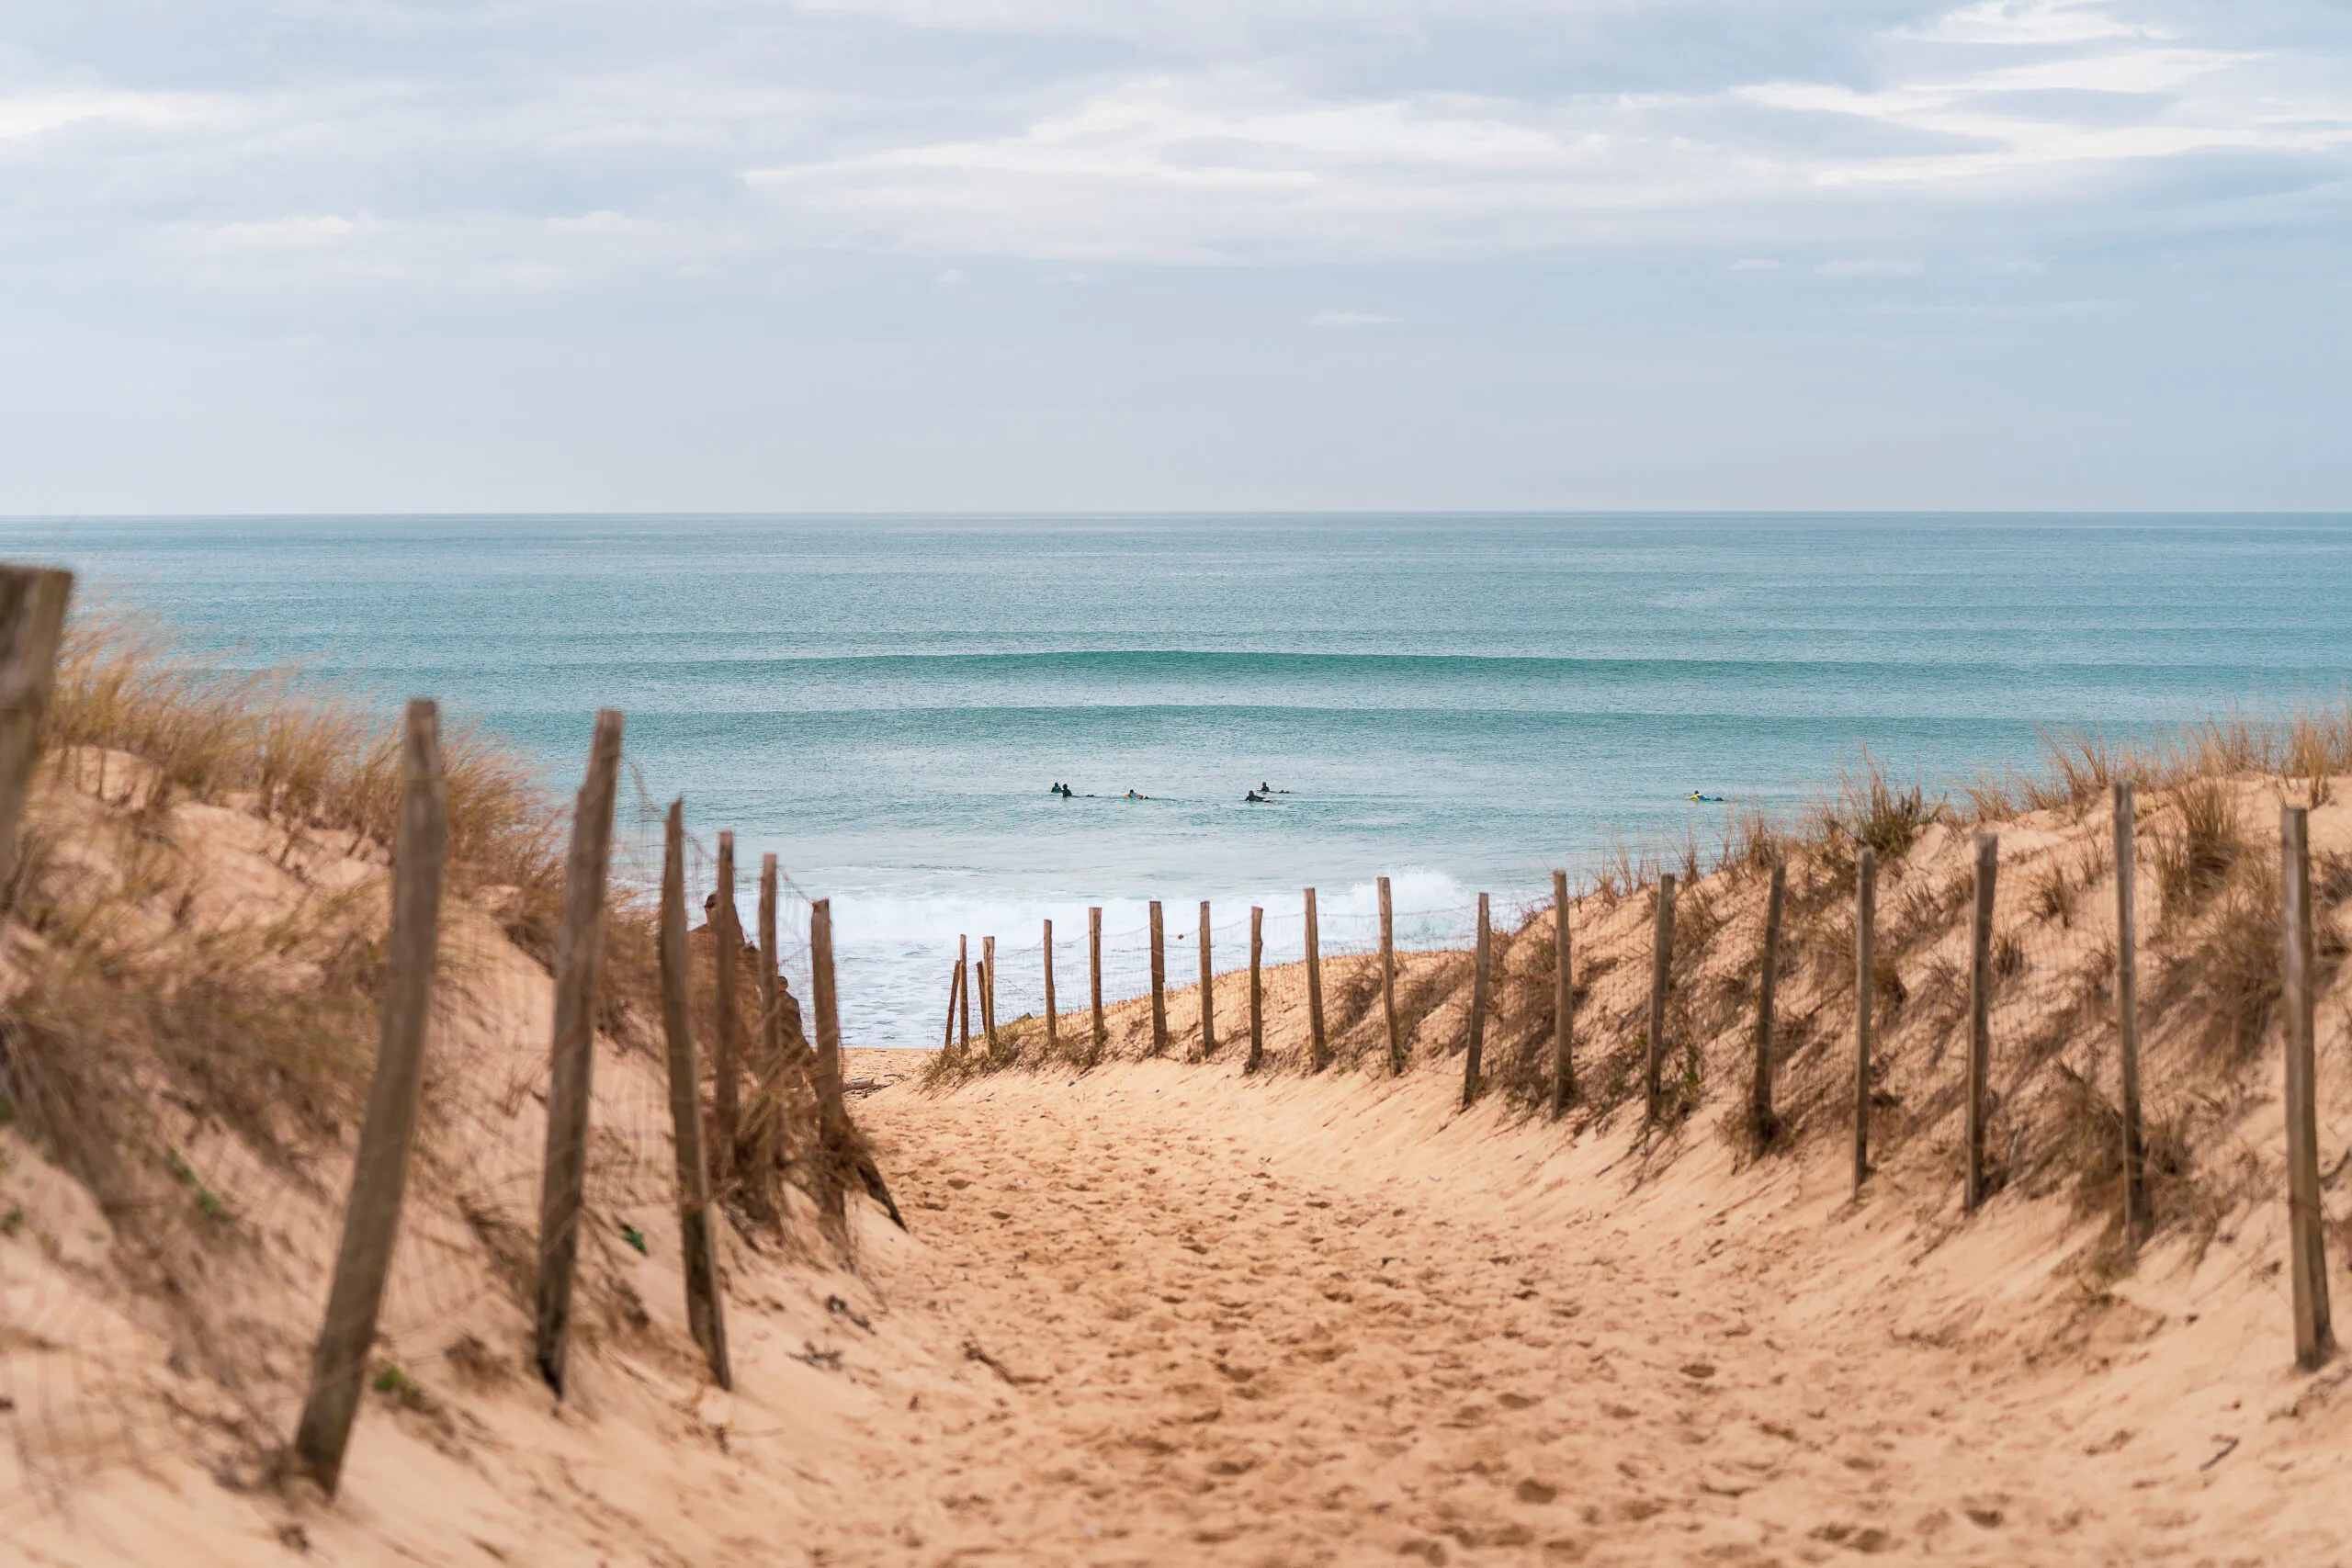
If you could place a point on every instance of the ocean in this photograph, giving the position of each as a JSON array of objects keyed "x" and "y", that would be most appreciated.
[{"x": 1461, "y": 703}]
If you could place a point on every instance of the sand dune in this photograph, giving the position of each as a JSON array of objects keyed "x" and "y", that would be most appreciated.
[
  {"x": 1163, "y": 1311},
  {"x": 1324, "y": 1321}
]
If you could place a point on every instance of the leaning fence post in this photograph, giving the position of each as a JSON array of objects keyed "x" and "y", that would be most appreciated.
[
  {"x": 954, "y": 989},
  {"x": 1980, "y": 1013},
  {"x": 832, "y": 1114},
  {"x": 1563, "y": 996},
  {"x": 2127, "y": 1019},
  {"x": 579, "y": 945},
  {"x": 1208, "y": 988},
  {"x": 727, "y": 939},
  {"x": 1865, "y": 960},
  {"x": 1318, "y": 1054},
  {"x": 697, "y": 1252},
  {"x": 1257, "y": 989},
  {"x": 963, "y": 1007},
  {"x": 1761, "y": 1122},
  {"x": 1159, "y": 985},
  {"x": 988, "y": 992},
  {"x": 32, "y": 622},
  {"x": 1661, "y": 958},
  {"x": 2306, "y": 1247},
  {"x": 1094, "y": 981},
  {"x": 380, "y": 1170},
  {"x": 1053, "y": 1029},
  {"x": 1472, "y": 1058},
  {"x": 1388, "y": 982}
]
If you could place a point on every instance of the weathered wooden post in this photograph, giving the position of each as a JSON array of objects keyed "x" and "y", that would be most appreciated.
[
  {"x": 726, "y": 945},
  {"x": 1762, "y": 1124},
  {"x": 1865, "y": 984},
  {"x": 1979, "y": 1014},
  {"x": 954, "y": 989},
  {"x": 379, "y": 1170},
  {"x": 2127, "y": 1019},
  {"x": 962, "y": 999},
  {"x": 1158, "y": 985},
  {"x": 1094, "y": 976},
  {"x": 1208, "y": 988},
  {"x": 770, "y": 985},
  {"x": 1257, "y": 989},
  {"x": 1388, "y": 982},
  {"x": 698, "y": 1253},
  {"x": 579, "y": 947},
  {"x": 32, "y": 624},
  {"x": 1318, "y": 1050},
  {"x": 1053, "y": 1027},
  {"x": 1472, "y": 1059},
  {"x": 988, "y": 992},
  {"x": 2306, "y": 1245},
  {"x": 1564, "y": 997},
  {"x": 1661, "y": 959},
  {"x": 833, "y": 1113}
]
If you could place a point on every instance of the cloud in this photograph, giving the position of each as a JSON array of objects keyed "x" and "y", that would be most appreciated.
[
  {"x": 1348, "y": 319},
  {"x": 1757, "y": 263},
  {"x": 952, "y": 278},
  {"x": 736, "y": 135},
  {"x": 1873, "y": 267},
  {"x": 298, "y": 233}
]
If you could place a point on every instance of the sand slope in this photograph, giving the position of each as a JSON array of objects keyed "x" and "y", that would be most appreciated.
[{"x": 1332, "y": 1321}]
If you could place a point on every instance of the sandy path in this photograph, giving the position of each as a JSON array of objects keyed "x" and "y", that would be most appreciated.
[{"x": 1227, "y": 1342}]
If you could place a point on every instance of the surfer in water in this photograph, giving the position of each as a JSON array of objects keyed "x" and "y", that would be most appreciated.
[{"x": 1707, "y": 799}]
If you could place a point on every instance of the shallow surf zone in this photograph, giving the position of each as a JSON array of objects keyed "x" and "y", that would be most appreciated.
[{"x": 1334, "y": 1319}]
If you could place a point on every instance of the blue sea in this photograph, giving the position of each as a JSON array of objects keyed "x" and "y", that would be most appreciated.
[{"x": 1461, "y": 703}]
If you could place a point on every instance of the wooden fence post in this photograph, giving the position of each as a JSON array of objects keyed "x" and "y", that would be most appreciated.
[
  {"x": 1257, "y": 989},
  {"x": 726, "y": 942},
  {"x": 1865, "y": 983},
  {"x": 1979, "y": 1014},
  {"x": 379, "y": 1170},
  {"x": 1472, "y": 1059},
  {"x": 578, "y": 947},
  {"x": 1761, "y": 1123},
  {"x": 1317, "y": 1049},
  {"x": 1159, "y": 985},
  {"x": 2306, "y": 1247},
  {"x": 771, "y": 987},
  {"x": 1053, "y": 1027},
  {"x": 833, "y": 1113},
  {"x": 963, "y": 1008},
  {"x": 1208, "y": 988},
  {"x": 32, "y": 624},
  {"x": 2127, "y": 1017},
  {"x": 1661, "y": 958},
  {"x": 697, "y": 1252},
  {"x": 954, "y": 989},
  {"x": 1388, "y": 982},
  {"x": 988, "y": 992},
  {"x": 1563, "y": 1000},
  {"x": 1094, "y": 978}
]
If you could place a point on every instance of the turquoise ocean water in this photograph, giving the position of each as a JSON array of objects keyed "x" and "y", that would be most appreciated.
[{"x": 1459, "y": 702}]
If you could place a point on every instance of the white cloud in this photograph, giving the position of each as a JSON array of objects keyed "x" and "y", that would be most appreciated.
[
  {"x": 1873, "y": 267},
  {"x": 295, "y": 233},
  {"x": 952, "y": 278},
  {"x": 1757, "y": 263},
  {"x": 1218, "y": 131}
]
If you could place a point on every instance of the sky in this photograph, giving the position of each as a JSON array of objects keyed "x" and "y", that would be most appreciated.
[{"x": 630, "y": 255}]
